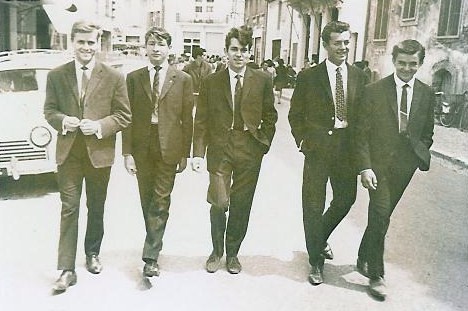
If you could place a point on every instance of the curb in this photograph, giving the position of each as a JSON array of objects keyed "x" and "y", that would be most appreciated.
[{"x": 457, "y": 163}]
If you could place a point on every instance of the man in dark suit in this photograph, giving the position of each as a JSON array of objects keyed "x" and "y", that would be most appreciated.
[
  {"x": 198, "y": 69},
  {"x": 393, "y": 137},
  {"x": 235, "y": 124},
  {"x": 157, "y": 143},
  {"x": 87, "y": 103},
  {"x": 323, "y": 117}
]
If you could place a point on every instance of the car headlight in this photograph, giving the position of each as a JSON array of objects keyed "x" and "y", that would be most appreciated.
[{"x": 40, "y": 136}]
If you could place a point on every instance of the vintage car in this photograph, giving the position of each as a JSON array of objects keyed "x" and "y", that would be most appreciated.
[{"x": 27, "y": 142}]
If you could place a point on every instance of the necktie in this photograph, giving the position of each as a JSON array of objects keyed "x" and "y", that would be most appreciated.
[
  {"x": 404, "y": 109},
  {"x": 84, "y": 85},
  {"x": 238, "y": 123},
  {"x": 339, "y": 96},
  {"x": 155, "y": 92}
]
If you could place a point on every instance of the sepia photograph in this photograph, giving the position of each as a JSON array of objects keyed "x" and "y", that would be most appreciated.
[{"x": 234, "y": 155}]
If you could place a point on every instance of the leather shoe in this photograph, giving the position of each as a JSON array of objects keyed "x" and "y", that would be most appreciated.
[
  {"x": 362, "y": 267},
  {"x": 212, "y": 264},
  {"x": 377, "y": 288},
  {"x": 233, "y": 265},
  {"x": 316, "y": 275},
  {"x": 327, "y": 252},
  {"x": 66, "y": 279},
  {"x": 151, "y": 268},
  {"x": 93, "y": 264}
]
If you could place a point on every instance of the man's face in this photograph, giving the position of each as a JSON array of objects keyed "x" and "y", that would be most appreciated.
[
  {"x": 157, "y": 50},
  {"x": 237, "y": 54},
  {"x": 338, "y": 47},
  {"x": 406, "y": 66},
  {"x": 85, "y": 45}
]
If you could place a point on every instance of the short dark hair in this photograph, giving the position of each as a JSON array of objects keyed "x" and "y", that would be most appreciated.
[
  {"x": 83, "y": 26},
  {"x": 335, "y": 26},
  {"x": 198, "y": 51},
  {"x": 158, "y": 33},
  {"x": 243, "y": 34},
  {"x": 409, "y": 47}
]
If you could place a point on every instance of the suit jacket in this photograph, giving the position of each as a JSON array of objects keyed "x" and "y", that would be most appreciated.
[
  {"x": 312, "y": 112},
  {"x": 106, "y": 101},
  {"x": 198, "y": 72},
  {"x": 214, "y": 115},
  {"x": 378, "y": 137},
  {"x": 175, "y": 122}
]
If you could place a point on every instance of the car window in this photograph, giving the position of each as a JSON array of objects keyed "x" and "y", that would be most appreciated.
[{"x": 22, "y": 80}]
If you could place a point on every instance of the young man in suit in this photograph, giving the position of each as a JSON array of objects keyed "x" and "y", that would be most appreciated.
[
  {"x": 322, "y": 118},
  {"x": 87, "y": 103},
  {"x": 157, "y": 143},
  {"x": 234, "y": 124},
  {"x": 198, "y": 69},
  {"x": 393, "y": 137}
]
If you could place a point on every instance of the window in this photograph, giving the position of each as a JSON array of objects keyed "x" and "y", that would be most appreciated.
[
  {"x": 209, "y": 8},
  {"x": 381, "y": 20},
  {"x": 198, "y": 9},
  {"x": 210, "y": 1},
  {"x": 280, "y": 6},
  {"x": 409, "y": 10},
  {"x": 449, "y": 18}
]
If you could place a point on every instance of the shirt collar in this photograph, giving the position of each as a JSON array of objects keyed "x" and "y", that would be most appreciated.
[
  {"x": 400, "y": 83},
  {"x": 89, "y": 65},
  {"x": 333, "y": 67},
  {"x": 233, "y": 74},
  {"x": 163, "y": 66}
]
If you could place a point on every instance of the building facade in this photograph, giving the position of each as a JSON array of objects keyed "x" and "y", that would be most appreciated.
[{"x": 440, "y": 25}]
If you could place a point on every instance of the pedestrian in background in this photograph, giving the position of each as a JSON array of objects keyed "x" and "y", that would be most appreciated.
[
  {"x": 323, "y": 117},
  {"x": 281, "y": 79},
  {"x": 198, "y": 69},
  {"x": 394, "y": 133},
  {"x": 157, "y": 143},
  {"x": 234, "y": 124},
  {"x": 86, "y": 102}
]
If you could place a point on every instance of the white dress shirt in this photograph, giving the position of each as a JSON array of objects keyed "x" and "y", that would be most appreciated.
[
  {"x": 409, "y": 90},
  {"x": 331, "y": 70},
  {"x": 80, "y": 72},
  {"x": 232, "y": 82}
]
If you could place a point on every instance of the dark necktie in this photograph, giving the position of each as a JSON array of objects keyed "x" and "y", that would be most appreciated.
[
  {"x": 155, "y": 92},
  {"x": 84, "y": 85},
  {"x": 238, "y": 123},
  {"x": 339, "y": 96},
  {"x": 404, "y": 108}
]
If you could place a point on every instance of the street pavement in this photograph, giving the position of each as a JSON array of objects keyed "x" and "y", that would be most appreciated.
[{"x": 273, "y": 253}]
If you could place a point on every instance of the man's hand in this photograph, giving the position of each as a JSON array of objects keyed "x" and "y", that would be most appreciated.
[
  {"x": 368, "y": 179},
  {"x": 89, "y": 127},
  {"x": 182, "y": 165},
  {"x": 197, "y": 164},
  {"x": 129, "y": 163},
  {"x": 70, "y": 124}
]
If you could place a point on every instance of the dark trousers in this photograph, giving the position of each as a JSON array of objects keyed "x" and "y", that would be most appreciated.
[
  {"x": 70, "y": 180},
  {"x": 320, "y": 165},
  {"x": 392, "y": 182},
  {"x": 232, "y": 188},
  {"x": 155, "y": 183}
]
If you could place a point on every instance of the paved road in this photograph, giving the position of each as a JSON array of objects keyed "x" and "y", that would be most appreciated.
[{"x": 427, "y": 258}]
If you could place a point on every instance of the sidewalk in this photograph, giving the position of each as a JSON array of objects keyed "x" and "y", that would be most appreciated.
[{"x": 450, "y": 144}]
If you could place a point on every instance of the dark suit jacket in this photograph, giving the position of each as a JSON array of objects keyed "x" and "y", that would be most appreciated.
[
  {"x": 106, "y": 101},
  {"x": 214, "y": 115},
  {"x": 377, "y": 133},
  {"x": 198, "y": 72},
  {"x": 312, "y": 112},
  {"x": 175, "y": 123}
]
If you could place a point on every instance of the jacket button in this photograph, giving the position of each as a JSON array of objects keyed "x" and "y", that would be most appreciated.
[
  {"x": 330, "y": 132},
  {"x": 333, "y": 118}
]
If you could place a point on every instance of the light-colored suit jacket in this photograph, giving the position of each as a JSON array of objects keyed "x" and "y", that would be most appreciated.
[{"x": 106, "y": 101}]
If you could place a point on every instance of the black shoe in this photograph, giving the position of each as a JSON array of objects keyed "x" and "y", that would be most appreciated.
[
  {"x": 151, "y": 268},
  {"x": 93, "y": 264},
  {"x": 316, "y": 275},
  {"x": 233, "y": 265},
  {"x": 362, "y": 267},
  {"x": 66, "y": 279},
  {"x": 327, "y": 252},
  {"x": 377, "y": 288},
  {"x": 212, "y": 264}
]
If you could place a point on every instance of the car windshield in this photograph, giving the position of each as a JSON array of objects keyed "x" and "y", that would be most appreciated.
[{"x": 23, "y": 80}]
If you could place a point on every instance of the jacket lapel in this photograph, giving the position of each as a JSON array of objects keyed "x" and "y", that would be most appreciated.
[
  {"x": 248, "y": 82},
  {"x": 145, "y": 81},
  {"x": 71, "y": 80},
  {"x": 324, "y": 81},
  {"x": 390, "y": 90},
  {"x": 94, "y": 80},
  {"x": 415, "y": 102},
  {"x": 227, "y": 88},
  {"x": 168, "y": 81}
]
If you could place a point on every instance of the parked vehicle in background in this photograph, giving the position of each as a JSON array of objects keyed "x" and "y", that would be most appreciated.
[
  {"x": 451, "y": 110},
  {"x": 27, "y": 142}
]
